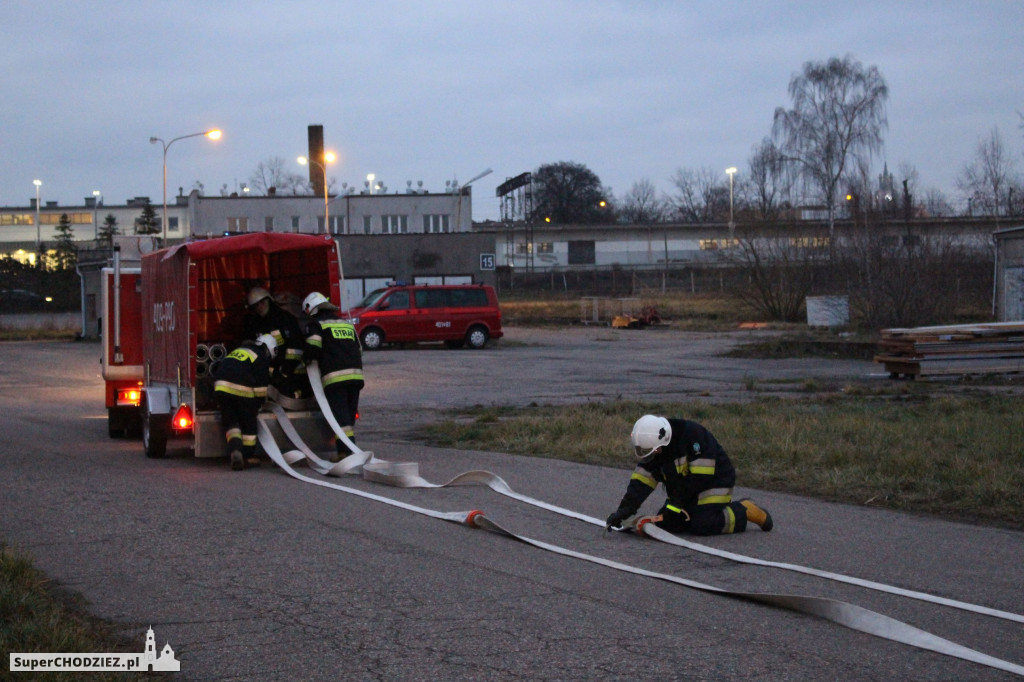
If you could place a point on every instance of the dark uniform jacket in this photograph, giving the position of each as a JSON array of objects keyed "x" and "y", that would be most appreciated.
[
  {"x": 244, "y": 372},
  {"x": 283, "y": 326},
  {"x": 693, "y": 467},
  {"x": 333, "y": 343}
]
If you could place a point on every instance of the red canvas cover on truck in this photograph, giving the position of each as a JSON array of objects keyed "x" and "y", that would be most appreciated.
[{"x": 196, "y": 292}]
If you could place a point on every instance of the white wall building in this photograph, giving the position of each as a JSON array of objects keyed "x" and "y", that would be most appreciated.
[{"x": 411, "y": 212}]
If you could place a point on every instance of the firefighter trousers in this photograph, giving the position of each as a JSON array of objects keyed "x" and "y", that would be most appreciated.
[
  {"x": 703, "y": 519},
  {"x": 238, "y": 416},
  {"x": 343, "y": 399}
]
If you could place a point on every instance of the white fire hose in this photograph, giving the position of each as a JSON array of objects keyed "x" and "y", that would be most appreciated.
[{"x": 406, "y": 475}]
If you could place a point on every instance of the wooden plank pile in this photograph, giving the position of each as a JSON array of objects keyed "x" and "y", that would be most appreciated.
[{"x": 994, "y": 348}]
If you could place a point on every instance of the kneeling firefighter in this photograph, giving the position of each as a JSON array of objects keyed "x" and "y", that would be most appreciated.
[
  {"x": 240, "y": 384},
  {"x": 698, "y": 478}
]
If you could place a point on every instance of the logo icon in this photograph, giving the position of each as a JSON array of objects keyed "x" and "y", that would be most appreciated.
[{"x": 164, "y": 662}]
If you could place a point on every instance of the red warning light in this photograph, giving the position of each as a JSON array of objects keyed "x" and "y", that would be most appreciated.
[{"x": 182, "y": 419}]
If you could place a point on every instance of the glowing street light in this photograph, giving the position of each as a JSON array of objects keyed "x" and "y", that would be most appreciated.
[
  {"x": 213, "y": 134},
  {"x": 38, "y": 184},
  {"x": 329, "y": 157},
  {"x": 731, "y": 171}
]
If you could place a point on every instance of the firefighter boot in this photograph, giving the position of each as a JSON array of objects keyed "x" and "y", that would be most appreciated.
[
  {"x": 757, "y": 515},
  {"x": 237, "y": 461}
]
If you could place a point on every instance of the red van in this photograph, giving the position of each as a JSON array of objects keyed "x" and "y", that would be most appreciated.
[{"x": 458, "y": 314}]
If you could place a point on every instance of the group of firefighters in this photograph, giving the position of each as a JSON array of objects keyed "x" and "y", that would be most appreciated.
[
  {"x": 681, "y": 454},
  {"x": 277, "y": 352}
]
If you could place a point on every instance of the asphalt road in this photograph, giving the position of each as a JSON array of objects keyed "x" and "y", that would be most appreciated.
[{"x": 253, "y": 575}]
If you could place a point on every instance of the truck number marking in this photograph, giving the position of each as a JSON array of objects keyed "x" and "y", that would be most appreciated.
[{"x": 163, "y": 316}]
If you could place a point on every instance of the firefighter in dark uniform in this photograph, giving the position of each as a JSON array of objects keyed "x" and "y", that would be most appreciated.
[
  {"x": 267, "y": 317},
  {"x": 240, "y": 384},
  {"x": 698, "y": 478},
  {"x": 333, "y": 343}
]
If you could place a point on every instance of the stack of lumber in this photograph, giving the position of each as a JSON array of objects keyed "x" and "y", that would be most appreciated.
[{"x": 993, "y": 348}]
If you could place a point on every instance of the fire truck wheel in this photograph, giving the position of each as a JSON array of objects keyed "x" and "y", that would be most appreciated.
[{"x": 155, "y": 428}]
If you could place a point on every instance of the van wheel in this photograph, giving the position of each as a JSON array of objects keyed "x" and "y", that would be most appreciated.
[
  {"x": 155, "y": 429},
  {"x": 372, "y": 338},
  {"x": 477, "y": 337}
]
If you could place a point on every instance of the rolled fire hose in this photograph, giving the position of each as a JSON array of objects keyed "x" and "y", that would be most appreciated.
[
  {"x": 202, "y": 352},
  {"x": 406, "y": 475}
]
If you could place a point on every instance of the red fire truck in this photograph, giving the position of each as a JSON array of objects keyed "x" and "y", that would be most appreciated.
[
  {"x": 191, "y": 303},
  {"x": 121, "y": 298}
]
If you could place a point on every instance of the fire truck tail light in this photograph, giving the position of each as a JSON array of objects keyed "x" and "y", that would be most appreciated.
[
  {"x": 129, "y": 396},
  {"x": 182, "y": 419}
]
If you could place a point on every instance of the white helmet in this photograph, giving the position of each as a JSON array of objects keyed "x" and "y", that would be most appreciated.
[
  {"x": 650, "y": 433},
  {"x": 257, "y": 294},
  {"x": 268, "y": 341},
  {"x": 316, "y": 300}
]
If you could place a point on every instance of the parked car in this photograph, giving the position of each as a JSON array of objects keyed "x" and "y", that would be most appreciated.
[
  {"x": 457, "y": 314},
  {"x": 22, "y": 300}
]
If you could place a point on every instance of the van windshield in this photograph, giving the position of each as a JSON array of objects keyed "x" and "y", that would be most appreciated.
[{"x": 371, "y": 298}]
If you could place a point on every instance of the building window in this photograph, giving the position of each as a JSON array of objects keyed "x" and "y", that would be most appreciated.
[
  {"x": 545, "y": 247},
  {"x": 337, "y": 224},
  {"x": 172, "y": 223},
  {"x": 238, "y": 224},
  {"x": 17, "y": 219},
  {"x": 394, "y": 224},
  {"x": 295, "y": 223},
  {"x": 268, "y": 223},
  {"x": 715, "y": 244},
  {"x": 433, "y": 224},
  {"x": 581, "y": 252},
  {"x": 367, "y": 224}
]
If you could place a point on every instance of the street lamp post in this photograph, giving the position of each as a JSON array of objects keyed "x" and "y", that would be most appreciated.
[
  {"x": 95, "y": 214},
  {"x": 731, "y": 171},
  {"x": 213, "y": 134},
  {"x": 328, "y": 158},
  {"x": 38, "y": 184}
]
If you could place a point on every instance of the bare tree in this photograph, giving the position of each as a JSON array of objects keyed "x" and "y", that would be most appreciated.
[
  {"x": 641, "y": 205},
  {"x": 908, "y": 279},
  {"x": 274, "y": 173},
  {"x": 936, "y": 204},
  {"x": 984, "y": 181},
  {"x": 768, "y": 182},
  {"x": 780, "y": 270},
  {"x": 702, "y": 195},
  {"x": 838, "y": 116}
]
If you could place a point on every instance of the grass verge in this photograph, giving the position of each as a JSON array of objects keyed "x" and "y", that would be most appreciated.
[
  {"x": 37, "y": 618},
  {"x": 958, "y": 457}
]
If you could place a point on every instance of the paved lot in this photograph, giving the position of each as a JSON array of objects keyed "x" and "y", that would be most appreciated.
[{"x": 254, "y": 575}]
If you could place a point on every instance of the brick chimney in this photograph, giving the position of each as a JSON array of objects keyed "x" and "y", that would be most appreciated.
[{"x": 316, "y": 153}]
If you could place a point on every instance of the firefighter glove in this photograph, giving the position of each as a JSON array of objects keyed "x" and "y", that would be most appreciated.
[{"x": 617, "y": 517}]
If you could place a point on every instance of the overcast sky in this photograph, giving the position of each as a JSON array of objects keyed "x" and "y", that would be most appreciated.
[{"x": 439, "y": 90}]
